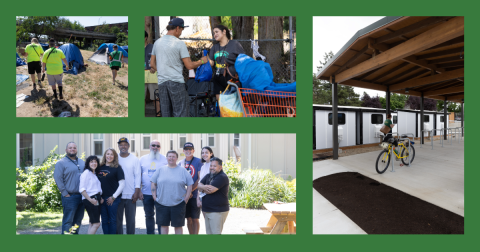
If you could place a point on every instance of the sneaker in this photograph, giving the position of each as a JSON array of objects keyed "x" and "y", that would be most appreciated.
[
  {"x": 34, "y": 86},
  {"x": 61, "y": 96}
]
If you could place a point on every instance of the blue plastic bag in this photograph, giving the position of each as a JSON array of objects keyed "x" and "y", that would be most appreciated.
[{"x": 204, "y": 72}]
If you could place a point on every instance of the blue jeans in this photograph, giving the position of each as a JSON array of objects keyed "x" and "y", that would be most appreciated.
[
  {"x": 109, "y": 216},
  {"x": 149, "y": 207},
  {"x": 73, "y": 211}
]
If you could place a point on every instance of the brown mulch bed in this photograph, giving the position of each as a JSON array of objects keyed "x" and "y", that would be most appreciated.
[{"x": 381, "y": 209}]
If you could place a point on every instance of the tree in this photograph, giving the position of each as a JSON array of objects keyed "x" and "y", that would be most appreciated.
[
  {"x": 271, "y": 28},
  {"x": 413, "y": 102},
  {"x": 397, "y": 101},
  {"x": 452, "y": 106},
  {"x": 104, "y": 28},
  {"x": 371, "y": 102},
  {"x": 322, "y": 90},
  {"x": 122, "y": 39},
  {"x": 35, "y": 26},
  {"x": 242, "y": 28},
  {"x": 115, "y": 30},
  {"x": 286, "y": 23}
]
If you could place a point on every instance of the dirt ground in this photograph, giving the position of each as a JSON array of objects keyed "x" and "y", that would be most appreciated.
[{"x": 88, "y": 94}]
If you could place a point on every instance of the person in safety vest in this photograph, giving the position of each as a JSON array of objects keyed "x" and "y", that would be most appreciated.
[
  {"x": 116, "y": 58},
  {"x": 52, "y": 64},
  {"x": 33, "y": 52}
]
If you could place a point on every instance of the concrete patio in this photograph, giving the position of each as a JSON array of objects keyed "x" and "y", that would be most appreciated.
[{"x": 436, "y": 176}]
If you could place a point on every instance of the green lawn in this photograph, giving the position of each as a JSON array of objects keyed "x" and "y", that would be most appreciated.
[{"x": 45, "y": 220}]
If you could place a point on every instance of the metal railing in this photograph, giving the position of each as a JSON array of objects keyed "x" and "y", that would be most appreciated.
[
  {"x": 409, "y": 148},
  {"x": 449, "y": 136}
]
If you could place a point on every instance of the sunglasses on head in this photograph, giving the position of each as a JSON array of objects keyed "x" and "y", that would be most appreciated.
[{"x": 154, "y": 145}]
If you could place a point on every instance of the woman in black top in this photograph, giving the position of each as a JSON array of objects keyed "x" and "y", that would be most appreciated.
[
  {"x": 112, "y": 181},
  {"x": 222, "y": 54}
]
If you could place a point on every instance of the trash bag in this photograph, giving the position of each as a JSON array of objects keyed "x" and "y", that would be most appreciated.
[
  {"x": 204, "y": 72},
  {"x": 230, "y": 105},
  {"x": 20, "y": 62}
]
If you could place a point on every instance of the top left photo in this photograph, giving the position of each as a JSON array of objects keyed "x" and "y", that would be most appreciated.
[{"x": 71, "y": 66}]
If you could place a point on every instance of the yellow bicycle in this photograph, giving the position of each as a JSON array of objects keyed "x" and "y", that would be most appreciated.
[{"x": 383, "y": 160}]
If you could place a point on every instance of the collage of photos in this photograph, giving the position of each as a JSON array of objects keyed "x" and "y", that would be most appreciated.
[{"x": 388, "y": 130}]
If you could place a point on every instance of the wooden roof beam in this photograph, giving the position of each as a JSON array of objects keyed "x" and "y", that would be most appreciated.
[
  {"x": 449, "y": 30},
  {"x": 402, "y": 65},
  {"x": 445, "y": 91},
  {"x": 451, "y": 64},
  {"x": 454, "y": 41},
  {"x": 419, "y": 94},
  {"x": 351, "y": 60},
  {"x": 443, "y": 60},
  {"x": 450, "y": 75},
  {"x": 455, "y": 97},
  {"x": 363, "y": 84},
  {"x": 442, "y": 53},
  {"x": 411, "y": 28}
]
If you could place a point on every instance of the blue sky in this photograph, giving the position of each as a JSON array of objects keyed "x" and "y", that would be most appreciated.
[{"x": 96, "y": 20}]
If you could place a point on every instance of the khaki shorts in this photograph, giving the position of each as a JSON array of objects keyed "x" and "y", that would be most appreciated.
[
  {"x": 151, "y": 88},
  {"x": 55, "y": 79},
  {"x": 214, "y": 222}
]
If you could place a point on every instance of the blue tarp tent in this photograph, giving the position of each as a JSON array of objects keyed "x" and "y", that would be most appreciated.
[
  {"x": 256, "y": 74},
  {"x": 125, "y": 48},
  {"x": 44, "y": 46},
  {"x": 101, "y": 57},
  {"x": 20, "y": 62},
  {"x": 21, "y": 78},
  {"x": 73, "y": 57}
]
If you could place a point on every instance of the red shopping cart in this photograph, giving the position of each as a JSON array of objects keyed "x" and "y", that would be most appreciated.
[{"x": 257, "y": 103}]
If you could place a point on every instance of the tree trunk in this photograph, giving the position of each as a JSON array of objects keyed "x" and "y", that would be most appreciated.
[
  {"x": 243, "y": 29},
  {"x": 149, "y": 29},
  {"x": 214, "y": 21},
  {"x": 271, "y": 28}
]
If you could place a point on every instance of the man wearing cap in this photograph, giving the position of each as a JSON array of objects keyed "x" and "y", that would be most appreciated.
[
  {"x": 33, "y": 53},
  {"x": 149, "y": 164},
  {"x": 131, "y": 168},
  {"x": 67, "y": 177},
  {"x": 193, "y": 165},
  {"x": 169, "y": 55},
  {"x": 116, "y": 58},
  {"x": 53, "y": 62}
]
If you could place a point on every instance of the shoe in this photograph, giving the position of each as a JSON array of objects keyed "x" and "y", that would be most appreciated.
[
  {"x": 34, "y": 86},
  {"x": 61, "y": 96}
]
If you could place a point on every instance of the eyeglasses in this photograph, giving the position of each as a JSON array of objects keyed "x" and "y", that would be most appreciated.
[{"x": 153, "y": 145}]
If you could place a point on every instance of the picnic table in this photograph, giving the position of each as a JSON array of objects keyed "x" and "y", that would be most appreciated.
[{"x": 283, "y": 214}]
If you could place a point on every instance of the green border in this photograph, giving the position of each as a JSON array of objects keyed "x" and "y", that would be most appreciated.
[{"x": 302, "y": 125}]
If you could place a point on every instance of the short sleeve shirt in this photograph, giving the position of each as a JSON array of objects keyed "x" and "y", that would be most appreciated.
[
  {"x": 54, "y": 61},
  {"x": 228, "y": 53},
  {"x": 149, "y": 166},
  {"x": 388, "y": 122},
  {"x": 169, "y": 52},
  {"x": 217, "y": 201},
  {"x": 34, "y": 51},
  {"x": 193, "y": 167},
  {"x": 109, "y": 177},
  {"x": 171, "y": 184}
]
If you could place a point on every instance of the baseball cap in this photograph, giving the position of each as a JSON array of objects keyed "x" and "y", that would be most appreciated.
[
  {"x": 188, "y": 145},
  {"x": 177, "y": 22},
  {"x": 123, "y": 139}
]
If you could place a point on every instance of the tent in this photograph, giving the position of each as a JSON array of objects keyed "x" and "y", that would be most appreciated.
[
  {"x": 44, "y": 46},
  {"x": 125, "y": 48},
  {"x": 20, "y": 62},
  {"x": 101, "y": 57},
  {"x": 73, "y": 57}
]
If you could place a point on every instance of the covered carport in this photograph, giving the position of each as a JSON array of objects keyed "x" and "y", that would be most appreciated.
[{"x": 420, "y": 56}]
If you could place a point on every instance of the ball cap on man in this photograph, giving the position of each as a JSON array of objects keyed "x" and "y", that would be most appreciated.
[
  {"x": 188, "y": 145},
  {"x": 123, "y": 139},
  {"x": 177, "y": 22}
]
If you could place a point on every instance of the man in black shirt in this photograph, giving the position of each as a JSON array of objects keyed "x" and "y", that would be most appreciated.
[{"x": 213, "y": 191}]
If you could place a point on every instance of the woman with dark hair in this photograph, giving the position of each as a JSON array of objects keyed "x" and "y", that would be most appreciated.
[
  {"x": 112, "y": 180},
  {"x": 222, "y": 57},
  {"x": 207, "y": 155},
  {"x": 389, "y": 124},
  {"x": 91, "y": 190}
]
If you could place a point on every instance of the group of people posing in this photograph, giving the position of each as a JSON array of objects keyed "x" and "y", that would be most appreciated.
[
  {"x": 169, "y": 54},
  {"x": 171, "y": 191}
]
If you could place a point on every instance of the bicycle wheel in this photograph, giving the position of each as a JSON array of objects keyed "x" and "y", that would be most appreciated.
[
  {"x": 383, "y": 161},
  {"x": 405, "y": 159}
]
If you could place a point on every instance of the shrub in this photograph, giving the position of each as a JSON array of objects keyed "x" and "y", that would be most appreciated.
[
  {"x": 38, "y": 181},
  {"x": 254, "y": 187}
]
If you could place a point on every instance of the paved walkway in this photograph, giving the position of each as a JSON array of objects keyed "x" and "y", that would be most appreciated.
[
  {"x": 436, "y": 176},
  {"x": 236, "y": 220}
]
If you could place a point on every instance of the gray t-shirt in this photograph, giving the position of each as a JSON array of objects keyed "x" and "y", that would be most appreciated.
[
  {"x": 171, "y": 184},
  {"x": 169, "y": 52},
  {"x": 228, "y": 53}
]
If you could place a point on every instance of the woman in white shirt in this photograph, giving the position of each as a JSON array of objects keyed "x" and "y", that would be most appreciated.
[
  {"x": 91, "y": 190},
  {"x": 207, "y": 154}
]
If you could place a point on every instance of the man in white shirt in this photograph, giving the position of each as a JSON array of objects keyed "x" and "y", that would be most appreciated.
[
  {"x": 131, "y": 168},
  {"x": 149, "y": 164}
]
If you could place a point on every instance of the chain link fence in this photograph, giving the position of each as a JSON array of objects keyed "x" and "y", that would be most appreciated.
[{"x": 198, "y": 36}]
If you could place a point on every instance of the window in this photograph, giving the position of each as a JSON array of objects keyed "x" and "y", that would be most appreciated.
[
  {"x": 132, "y": 143},
  {"x": 182, "y": 139},
  {"x": 26, "y": 150},
  {"x": 394, "y": 119},
  {"x": 211, "y": 139},
  {"x": 98, "y": 144},
  {"x": 341, "y": 118},
  {"x": 146, "y": 141},
  {"x": 442, "y": 119},
  {"x": 426, "y": 118},
  {"x": 236, "y": 139},
  {"x": 171, "y": 141},
  {"x": 377, "y": 119}
]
